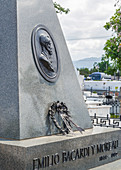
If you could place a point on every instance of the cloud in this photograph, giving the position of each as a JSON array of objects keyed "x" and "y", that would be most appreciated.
[{"x": 85, "y": 22}]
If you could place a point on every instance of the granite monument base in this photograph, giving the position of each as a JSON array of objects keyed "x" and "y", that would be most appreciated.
[{"x": 95, "y": 147}]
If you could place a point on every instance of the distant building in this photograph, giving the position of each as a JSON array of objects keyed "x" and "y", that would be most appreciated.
[
  {"x": 100, "y": 76},
  {"x": 102, "y": 85}
]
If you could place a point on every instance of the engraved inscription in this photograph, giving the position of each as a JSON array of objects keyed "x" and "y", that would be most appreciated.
[{"x": 107, "y": 149}]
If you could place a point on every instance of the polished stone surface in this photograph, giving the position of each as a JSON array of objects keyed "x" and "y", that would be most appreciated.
[
  {"x": 36, "y": 94},
  {"x": 25, "y": 95},
  {"x": 9, "y": 106},
  {"x": 113, "y": 165},
  {"x": 58, "y": 138},
  {"x": 20, "y": 154}
]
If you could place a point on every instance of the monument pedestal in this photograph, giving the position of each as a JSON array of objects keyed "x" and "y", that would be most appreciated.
[{"x": 95, "y": 147}]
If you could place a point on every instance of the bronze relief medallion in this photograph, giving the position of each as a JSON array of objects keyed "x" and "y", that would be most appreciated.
[{"x": 45, "y": 53}]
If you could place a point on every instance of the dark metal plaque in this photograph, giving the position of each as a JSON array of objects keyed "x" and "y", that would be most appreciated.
[{"x": 45, "y": 53}]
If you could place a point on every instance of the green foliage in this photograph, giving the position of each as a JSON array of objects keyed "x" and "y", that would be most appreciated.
[
  {"x": 60, "y": 9},
  {"x": 113, "y": 48},
  {"x": 92, "y": 70},
  {"x": 112, "y": 115},
  {"x": 104, "y": 66},
  {"x": 94, "y": 92},
  {"x": 95, "y": 65},
  {"x": 113, "y": 45},
  {"x": 84, "y": 71},
  {"x": 115, "y": 22},
  {"x": 95, "y": 68},
  {"x": 111, "y": 70}
]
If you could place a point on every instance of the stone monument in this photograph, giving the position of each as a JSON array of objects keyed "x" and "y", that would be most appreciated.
[
  {"x": 36, "y": 73},
  {"x": 36, "y": 70}
]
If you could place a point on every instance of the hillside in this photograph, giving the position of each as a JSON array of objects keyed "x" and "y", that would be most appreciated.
[{"x": 86, "y": 63}]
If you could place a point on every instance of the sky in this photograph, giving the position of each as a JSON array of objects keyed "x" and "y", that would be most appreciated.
[{"x": 83, "y": 26}]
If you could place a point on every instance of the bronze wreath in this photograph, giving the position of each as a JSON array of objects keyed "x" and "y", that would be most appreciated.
[{"x": 62, "y": 110}]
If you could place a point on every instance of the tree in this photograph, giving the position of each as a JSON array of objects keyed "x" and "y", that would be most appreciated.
[
  {"x": 60, "y": 9},
  {"x": 95, "y": 68},
  {"x": 84, "y": 71},
  {"x": 103, "y": 65},
  {"x": 113, "y": 45},
  {"x": 95, "y": 65}
]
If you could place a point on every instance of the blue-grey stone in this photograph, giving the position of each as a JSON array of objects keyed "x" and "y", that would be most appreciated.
[
  {"x": 19, "y": 155},
  {"x": 9, "y": 99},
  {"x": 25, "y": 95}
]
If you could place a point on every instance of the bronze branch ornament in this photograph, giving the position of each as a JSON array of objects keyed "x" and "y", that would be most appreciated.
[{"x": 61, "y": 109}]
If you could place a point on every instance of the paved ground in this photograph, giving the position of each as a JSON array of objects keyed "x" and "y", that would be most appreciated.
[{"x": 116, "y": 165}]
